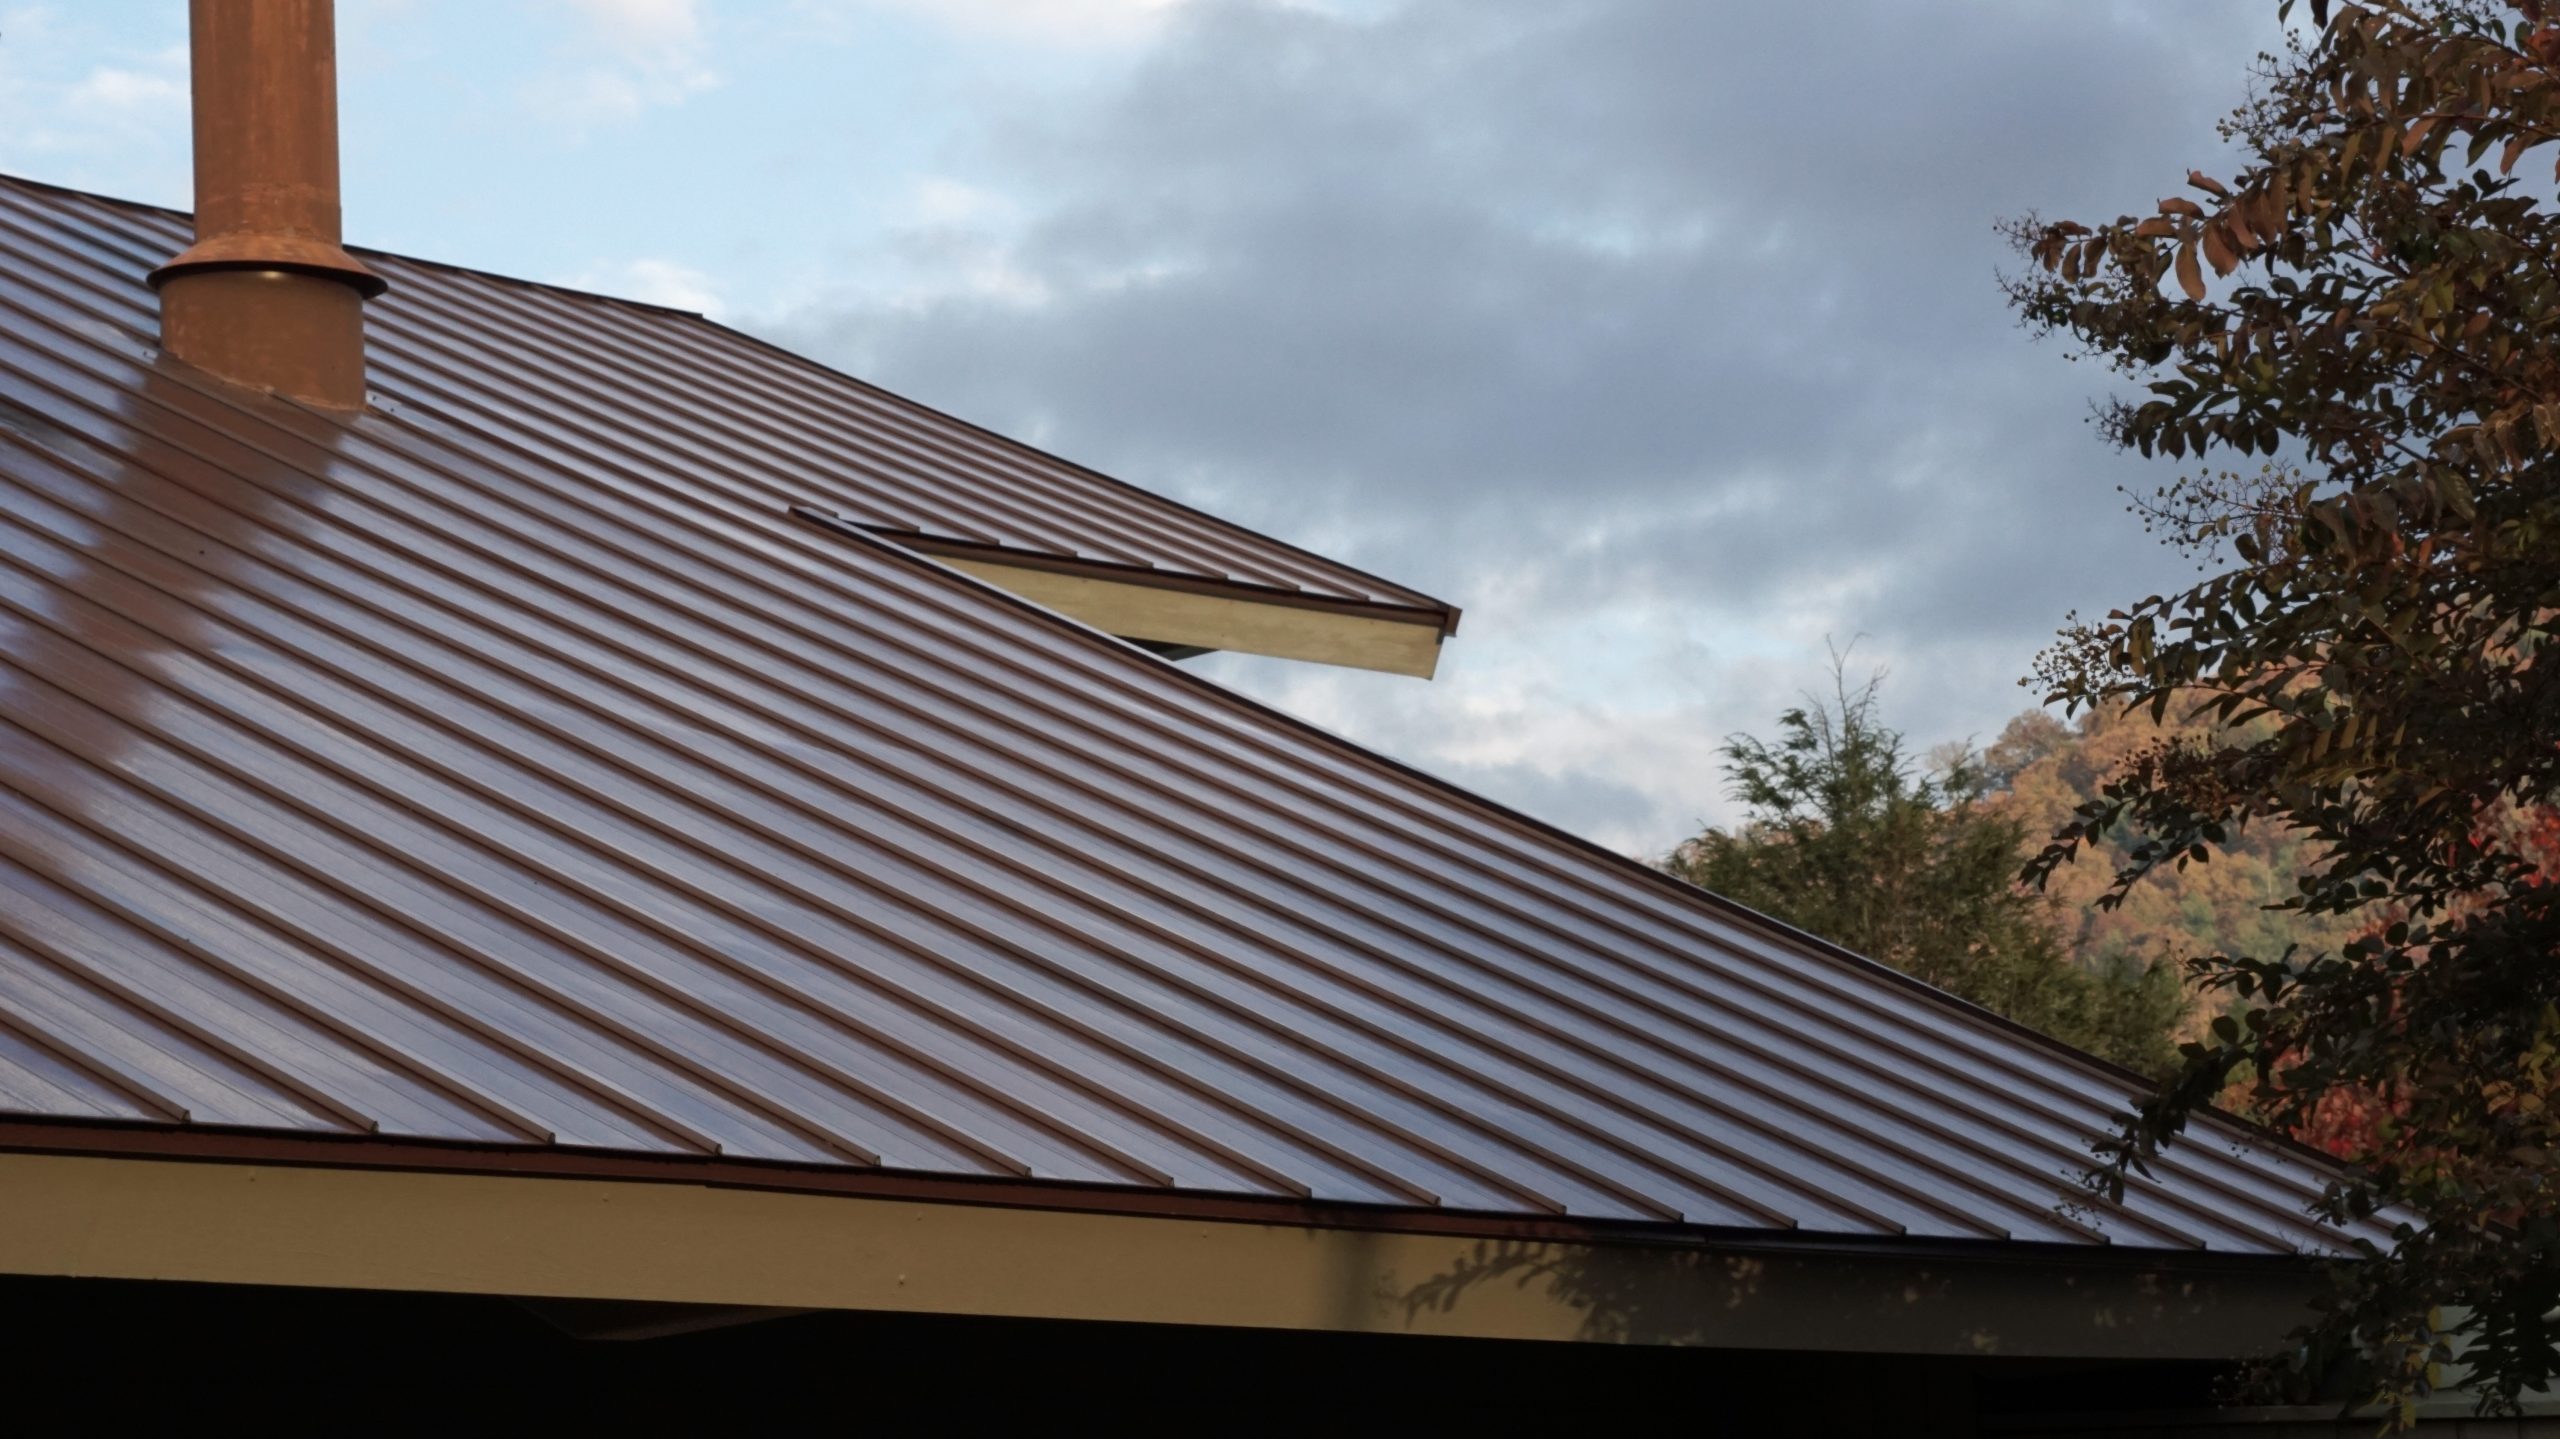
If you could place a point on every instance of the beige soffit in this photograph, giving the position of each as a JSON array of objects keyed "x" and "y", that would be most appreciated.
[
  {"x": 1190, "y": 612},
  {"x": 1217, "y": 622},
  {"x": 387, "y": 1229}
]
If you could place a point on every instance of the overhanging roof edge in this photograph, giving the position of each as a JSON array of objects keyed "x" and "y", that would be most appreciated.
[{"x": 36, "y": 1135}]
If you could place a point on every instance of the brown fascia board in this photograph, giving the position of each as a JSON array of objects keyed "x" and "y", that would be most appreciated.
[
  {"x": 202, "y": 1143},
  {"x": 751, "y": 1250}
]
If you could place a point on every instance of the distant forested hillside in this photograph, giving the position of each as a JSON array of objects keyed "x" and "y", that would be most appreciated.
[
  {"x": 2041, "y": 768},
  {"x": 1917, "y": 864}
]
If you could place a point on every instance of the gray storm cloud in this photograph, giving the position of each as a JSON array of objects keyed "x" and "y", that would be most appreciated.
[{"x": 1662, "y": 335}]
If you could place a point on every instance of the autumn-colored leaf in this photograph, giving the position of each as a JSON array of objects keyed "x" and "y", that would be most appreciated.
[
  {"x": 2237, "y": 220},
  {"x": 2383, "y": 616},
  {"x": 2219, "y": 252},
  {"x": 2190, "y": 274}
]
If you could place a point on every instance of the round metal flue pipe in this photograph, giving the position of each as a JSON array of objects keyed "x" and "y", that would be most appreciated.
[{"x": 267, "y": 297}]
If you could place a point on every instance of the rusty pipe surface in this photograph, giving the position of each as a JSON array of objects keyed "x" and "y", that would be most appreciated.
[{"x": 267, "y": 297}]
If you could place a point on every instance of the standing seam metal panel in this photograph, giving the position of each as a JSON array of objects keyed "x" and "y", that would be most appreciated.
[{"x": 521, "y": 773}]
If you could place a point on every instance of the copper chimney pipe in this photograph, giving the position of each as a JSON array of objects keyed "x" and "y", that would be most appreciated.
[{"x": 266, "y": 297}]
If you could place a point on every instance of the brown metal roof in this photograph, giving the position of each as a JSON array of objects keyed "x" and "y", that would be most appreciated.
[
  {"x": 739, "y": 415},
  {"x": 507, "y": 767}
]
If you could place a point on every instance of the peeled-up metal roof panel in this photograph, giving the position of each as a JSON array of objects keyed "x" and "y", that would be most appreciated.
[{"x": 506, "y": 766}]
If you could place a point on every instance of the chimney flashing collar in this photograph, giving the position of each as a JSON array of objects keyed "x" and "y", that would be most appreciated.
[{"x": 296, "y": 254}]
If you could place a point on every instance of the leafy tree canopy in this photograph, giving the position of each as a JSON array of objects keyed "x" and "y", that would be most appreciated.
[
  {"x": 1847, "y": 839},
  {"x": 2045, "y": 769},
  {"x": 2368, "y": 313}
]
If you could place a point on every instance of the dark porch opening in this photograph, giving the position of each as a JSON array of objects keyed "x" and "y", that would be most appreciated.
[{"x": 203, "y": 1352}]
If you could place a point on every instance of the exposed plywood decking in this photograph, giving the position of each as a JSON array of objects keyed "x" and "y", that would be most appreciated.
[
  {"x": 400, "y": 1230},
  {"x": 1216, "y": 622}
]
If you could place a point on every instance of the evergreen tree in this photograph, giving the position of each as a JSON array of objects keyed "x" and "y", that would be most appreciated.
[{"x": 1847, "y": 838}]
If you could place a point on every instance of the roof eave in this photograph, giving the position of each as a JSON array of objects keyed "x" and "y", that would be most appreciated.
[{"x": 527, "y": 1225}]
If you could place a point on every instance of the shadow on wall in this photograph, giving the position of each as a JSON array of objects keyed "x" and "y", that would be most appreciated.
[
  {"x": 1637, "y": 1297},
  {"x": 2001, "y": 1302}
]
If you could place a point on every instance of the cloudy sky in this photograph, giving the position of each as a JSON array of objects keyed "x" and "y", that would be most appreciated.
[{"x": 1664, "y": 336}]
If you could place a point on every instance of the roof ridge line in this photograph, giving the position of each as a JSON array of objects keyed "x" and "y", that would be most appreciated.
[
  {"x": 1384, "y": 584},
  {"x": 1453, "y": 613},
  {"x": 172, "y": 212}
]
